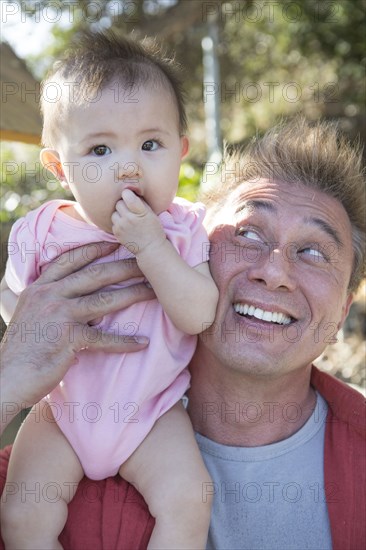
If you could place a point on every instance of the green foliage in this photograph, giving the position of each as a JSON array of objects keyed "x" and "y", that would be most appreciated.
[
  {"x": 189, "y": 181},
  {"x": 25, "y": 184},
  {"x": 276, "y": 58},
  {"x": 304, "y": 56}
]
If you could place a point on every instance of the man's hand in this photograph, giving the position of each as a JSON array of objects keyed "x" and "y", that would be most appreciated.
[
  {"x": 51, "y": 321},
  {"x": 135, "y": 224}
]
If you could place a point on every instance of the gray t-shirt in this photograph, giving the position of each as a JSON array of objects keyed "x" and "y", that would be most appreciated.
[{"x": 270, "y": 497}]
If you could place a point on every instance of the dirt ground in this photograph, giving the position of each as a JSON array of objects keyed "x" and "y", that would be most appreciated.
[{"x": 347, "y": 358}]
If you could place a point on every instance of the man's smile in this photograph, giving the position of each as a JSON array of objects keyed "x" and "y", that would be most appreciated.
[{"x": 248, "y": 310}]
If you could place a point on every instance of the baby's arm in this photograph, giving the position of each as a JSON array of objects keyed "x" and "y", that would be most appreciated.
[
  {"x": 188, "y": 295},
  {"x": 8, "y": 301}
]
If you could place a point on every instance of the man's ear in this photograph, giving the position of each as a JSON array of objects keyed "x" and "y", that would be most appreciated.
[
  {"x": 185, "y": 146},
  {"x": 345, "y": 309},
  {"x": 50, "y": 159}
]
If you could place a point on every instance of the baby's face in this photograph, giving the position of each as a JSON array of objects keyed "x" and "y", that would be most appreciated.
[{"x": 124, "y": 139}]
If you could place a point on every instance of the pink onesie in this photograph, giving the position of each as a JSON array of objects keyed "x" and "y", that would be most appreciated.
[{"x": 108, "y": 402}]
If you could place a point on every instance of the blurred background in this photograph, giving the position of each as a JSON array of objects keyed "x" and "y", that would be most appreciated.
[{"x": 246, "y": 64}]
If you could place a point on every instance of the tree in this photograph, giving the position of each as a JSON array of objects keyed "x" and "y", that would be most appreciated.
[{"x": 276, "y": 57}]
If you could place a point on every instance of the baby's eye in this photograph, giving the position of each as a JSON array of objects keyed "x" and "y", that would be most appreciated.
[
  {"x": 248, "y": 233},
  {"x": 101, "y": 150},
  {"x": 150, "y": 145}
]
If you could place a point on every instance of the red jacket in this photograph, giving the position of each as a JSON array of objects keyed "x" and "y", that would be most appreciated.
[
  {"x": 344, "y": 461},
  {"x": 112, "y": 515}
]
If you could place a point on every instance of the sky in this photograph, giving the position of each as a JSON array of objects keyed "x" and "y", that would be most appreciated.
[
  {"x": 29, "y": 35},
  {"x": 25, "y": 36}
]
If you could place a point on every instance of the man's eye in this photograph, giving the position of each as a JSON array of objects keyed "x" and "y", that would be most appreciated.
[
  {"x": 248, "y": 233},
  {"x": 150, "y": 145},
  {"x": 314, "y": 252},
  {"x": 101, "y": 150}
]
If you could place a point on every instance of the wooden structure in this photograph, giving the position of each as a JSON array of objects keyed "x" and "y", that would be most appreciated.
[{"x": 20, "y": 116}]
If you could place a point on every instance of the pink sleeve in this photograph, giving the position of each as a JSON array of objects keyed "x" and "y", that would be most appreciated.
[
  {"x": 183, "y": 223},
  {"x": 26, "y": 246},
  {"x": 22, "y": 267},
  {"x": 26, "y": 253}
]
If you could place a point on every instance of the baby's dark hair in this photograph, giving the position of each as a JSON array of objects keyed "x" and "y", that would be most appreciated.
[{"x": 100, "y": 60}]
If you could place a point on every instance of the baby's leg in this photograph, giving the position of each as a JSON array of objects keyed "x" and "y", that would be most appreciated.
[
  {"x": 42, "y": 478},
  {"x": 168, "y": 470}
]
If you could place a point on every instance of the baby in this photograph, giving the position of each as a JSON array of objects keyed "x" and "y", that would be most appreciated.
[{"x": 114, "y": 125}]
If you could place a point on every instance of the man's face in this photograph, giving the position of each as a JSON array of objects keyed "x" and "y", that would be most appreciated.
[
  {"x": 281, "y": 257},
  {"x": 122, "y": 140}
]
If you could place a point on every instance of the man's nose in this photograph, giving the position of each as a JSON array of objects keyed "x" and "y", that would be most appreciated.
[{"x": 273, "y": 269}]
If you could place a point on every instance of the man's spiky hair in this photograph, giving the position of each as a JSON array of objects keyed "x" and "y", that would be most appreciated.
[{"x": 300, "y": 152}]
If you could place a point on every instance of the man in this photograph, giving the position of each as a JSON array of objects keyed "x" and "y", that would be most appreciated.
[
  {"x": 281, "y": 439},
  {"x": 284, "y": 443}
]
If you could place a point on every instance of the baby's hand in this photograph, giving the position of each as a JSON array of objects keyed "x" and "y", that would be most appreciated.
[{"x": 135, "y": 225}]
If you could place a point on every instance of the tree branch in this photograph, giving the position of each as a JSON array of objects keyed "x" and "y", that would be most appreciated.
[{"x": 179, "y": 18}]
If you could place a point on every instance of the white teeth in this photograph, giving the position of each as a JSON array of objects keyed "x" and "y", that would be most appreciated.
[{"x": 258, "y": 313}]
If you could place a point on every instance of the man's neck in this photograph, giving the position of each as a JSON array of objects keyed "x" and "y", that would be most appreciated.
[{"x": 233, "y": 408}]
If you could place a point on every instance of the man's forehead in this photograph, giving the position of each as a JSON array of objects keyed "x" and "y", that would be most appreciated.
[
  {"x": 273, "y": 197},
  {"x": 265, "y": 194},
  {"x": 259, "y": 188},
  {"x": 252, "y": 205}
]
